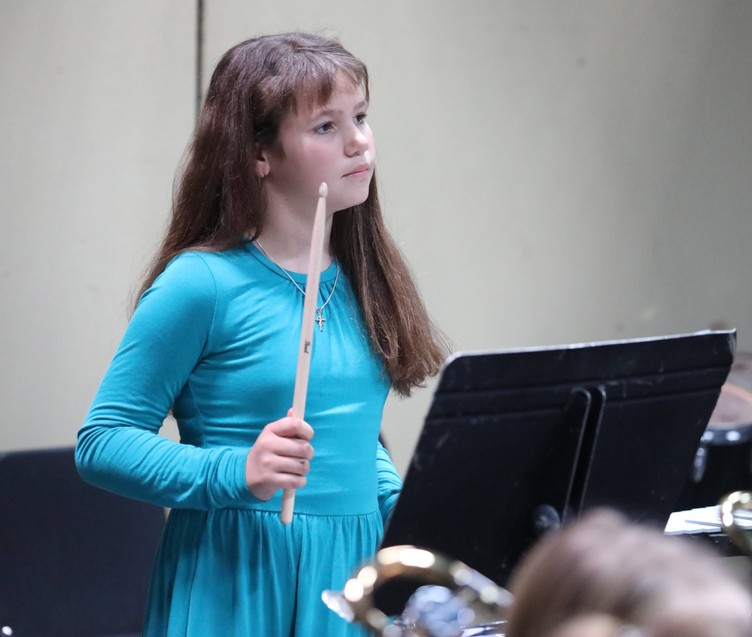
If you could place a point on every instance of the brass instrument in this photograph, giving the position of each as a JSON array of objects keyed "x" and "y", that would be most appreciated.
[
  {"x": 730, "y": 505},
  {"x": 476, "y": 602}
]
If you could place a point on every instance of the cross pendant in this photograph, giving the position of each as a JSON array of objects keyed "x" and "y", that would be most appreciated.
[{"x": 320, "y": 319}]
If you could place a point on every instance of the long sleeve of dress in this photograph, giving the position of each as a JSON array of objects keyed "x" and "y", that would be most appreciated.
[
  {"x": 119, "y": 448},
  {"x": 389, "y": 482}
]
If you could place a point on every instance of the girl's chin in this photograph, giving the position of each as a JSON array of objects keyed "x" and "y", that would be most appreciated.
[{"x": 351, "y": 199}]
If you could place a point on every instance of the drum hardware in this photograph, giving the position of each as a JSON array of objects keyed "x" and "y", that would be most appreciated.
[
  {"x": 700, "y": 463},
  {"x": 723, "y": 460},
  {"x": 453, "y": 601}
]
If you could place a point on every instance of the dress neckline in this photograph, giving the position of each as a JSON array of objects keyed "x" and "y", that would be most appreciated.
[{"x": 327, "y": 275}]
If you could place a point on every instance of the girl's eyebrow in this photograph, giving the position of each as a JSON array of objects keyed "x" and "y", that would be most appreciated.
[{"x": 330, "y": 112}]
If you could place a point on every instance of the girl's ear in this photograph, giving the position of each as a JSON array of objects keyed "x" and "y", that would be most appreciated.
[{"x": 261, "y": 164}]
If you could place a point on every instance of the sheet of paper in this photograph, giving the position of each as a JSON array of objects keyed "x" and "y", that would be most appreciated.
[{"x": 703, "y": 520}]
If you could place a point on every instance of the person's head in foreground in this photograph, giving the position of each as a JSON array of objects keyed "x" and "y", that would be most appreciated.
[{"x": 607, "y": 577}]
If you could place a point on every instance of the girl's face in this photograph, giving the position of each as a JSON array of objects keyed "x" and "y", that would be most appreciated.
[{"x": 330, "y": 143}]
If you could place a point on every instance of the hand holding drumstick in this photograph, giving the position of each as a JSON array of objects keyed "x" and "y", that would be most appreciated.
[{"x": 280, "y": 457}]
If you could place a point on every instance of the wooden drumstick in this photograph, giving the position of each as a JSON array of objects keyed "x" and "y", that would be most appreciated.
[{"x": 306, "y": 331}]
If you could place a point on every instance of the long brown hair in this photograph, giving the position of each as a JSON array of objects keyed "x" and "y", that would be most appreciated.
[{"x": 219, "y": 202}]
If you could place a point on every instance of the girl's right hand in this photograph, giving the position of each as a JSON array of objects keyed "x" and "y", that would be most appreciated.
[{"x": 280, "y": 458}]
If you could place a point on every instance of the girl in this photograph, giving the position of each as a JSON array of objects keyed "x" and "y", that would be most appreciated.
[{"x": 214, "y": 338}]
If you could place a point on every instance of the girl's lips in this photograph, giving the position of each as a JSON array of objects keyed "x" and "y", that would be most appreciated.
[{"x": 360, "y": 170}]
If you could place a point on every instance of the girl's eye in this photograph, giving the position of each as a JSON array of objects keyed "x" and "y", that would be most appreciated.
[
  {"x": 323, "y": 128},
  {"x": 360, "y": 118}
]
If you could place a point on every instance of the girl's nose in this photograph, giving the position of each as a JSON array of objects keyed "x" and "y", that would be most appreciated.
[{"x": 357, "y": 142}]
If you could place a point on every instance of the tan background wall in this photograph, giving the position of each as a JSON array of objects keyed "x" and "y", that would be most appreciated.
[{"x": 556, "y": 171}]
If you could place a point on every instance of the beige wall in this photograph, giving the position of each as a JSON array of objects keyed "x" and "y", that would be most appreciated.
[{"x": 556, "y": 171}]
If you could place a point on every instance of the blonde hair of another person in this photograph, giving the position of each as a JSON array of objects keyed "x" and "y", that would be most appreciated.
[{"x": 607, "y": 577}]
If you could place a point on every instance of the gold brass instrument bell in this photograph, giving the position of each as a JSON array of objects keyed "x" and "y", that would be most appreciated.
[
  {"x": 450, "y": 598},
  {"x": 731, "y": 505}
]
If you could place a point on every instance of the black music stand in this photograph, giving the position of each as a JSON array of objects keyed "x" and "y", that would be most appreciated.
[{"x": 516, "y": 442}]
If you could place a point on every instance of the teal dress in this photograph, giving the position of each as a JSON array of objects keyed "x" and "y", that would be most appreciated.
[{"x": 215, "y": 340}]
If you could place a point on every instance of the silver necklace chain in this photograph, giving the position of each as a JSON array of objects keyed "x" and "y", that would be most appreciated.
[{"x": 319, "y": 310}]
